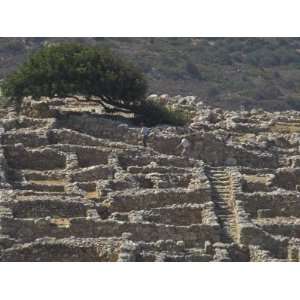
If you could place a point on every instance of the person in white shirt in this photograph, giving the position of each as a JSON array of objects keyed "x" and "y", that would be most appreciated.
[
  {"x": 186, "y": 146},
  {"x": 145, "y": 131}
]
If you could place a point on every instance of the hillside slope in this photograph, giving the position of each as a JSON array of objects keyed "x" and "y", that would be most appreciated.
[{"x": 224, "y": 72}]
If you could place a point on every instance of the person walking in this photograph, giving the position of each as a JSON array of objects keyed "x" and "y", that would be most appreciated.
[
  {"x": 145, "y": 131},
  {"x": 186, "y": 147}
]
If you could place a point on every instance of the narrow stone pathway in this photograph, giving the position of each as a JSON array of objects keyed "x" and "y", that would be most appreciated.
[{"x": 222, "y": 198}]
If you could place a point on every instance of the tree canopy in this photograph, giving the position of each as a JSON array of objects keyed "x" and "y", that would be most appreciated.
[
  {"x": 65, "y": 70},
  {"x": 73, "y": 70}
]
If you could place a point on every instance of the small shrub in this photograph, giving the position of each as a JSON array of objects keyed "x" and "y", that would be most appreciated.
[
  {"x": 4, "y": 101},
  {"x": 154, "y": 113},
  {"x": 213, "y": 91},
  {"x": 193, "y": 70},
  {"x": 267, "y": 91},
  {"x": 13, "y": 45},
  {"x": 294, "y": 103}
]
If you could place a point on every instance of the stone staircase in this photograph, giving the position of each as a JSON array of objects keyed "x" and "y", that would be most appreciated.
[{"x": 222, "y": 196}]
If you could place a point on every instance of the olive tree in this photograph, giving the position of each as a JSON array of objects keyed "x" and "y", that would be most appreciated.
[
  {"x": 76, "y": 70},
  {"x": 72, "y": 70}
]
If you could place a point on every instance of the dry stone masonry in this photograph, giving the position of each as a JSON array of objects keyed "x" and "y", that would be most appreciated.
[{"x": 77, "y": 185}]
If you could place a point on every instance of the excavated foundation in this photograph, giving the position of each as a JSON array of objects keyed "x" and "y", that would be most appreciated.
[{"x": 81, "y": 187}]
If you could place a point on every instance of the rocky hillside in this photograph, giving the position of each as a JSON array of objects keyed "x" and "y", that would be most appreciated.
[
  {"x": 77, "y": 185},
  {"x": 224, "y": 72}
]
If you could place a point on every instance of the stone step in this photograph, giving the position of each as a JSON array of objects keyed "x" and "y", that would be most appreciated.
[
  {"x": 217, "y": 171},
  {"x": 224, "y": 211},
  {"x": 217, "y": 168},
  {"x": 221, "y": 193},
  {"x": 221, "y": 190},
  {"x": 220, "y": 198},
  {"x": 219, "y": 178},
  {"x": 224, "y": 187},
  {"x": 220, "y": 184},
  {"x": 228, "y": 229},
  {"x": 221, "y": 187},
  {"x": 222, "y": 207},
  {"x": 231, "y": 225},
  {"x": 223, "y": 215},
  {"x": 228, "y": 219},
  {"x": 221, "y": 202}
]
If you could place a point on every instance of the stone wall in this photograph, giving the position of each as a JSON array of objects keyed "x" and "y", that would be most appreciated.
[
  {"x": 281, "y": 203},
  {"x": 129, "y": 200},
  {"x": 45, "y": 207},
  {"x": 83, "y": 187},
  {"x": 68, "y": 250},
  {"x": 45, "y": 159}
]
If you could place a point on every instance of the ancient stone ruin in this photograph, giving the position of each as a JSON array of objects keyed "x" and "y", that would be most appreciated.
[{"x": 77, "y": 185}]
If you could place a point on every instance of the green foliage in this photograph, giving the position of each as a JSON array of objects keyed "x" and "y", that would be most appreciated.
[
  {"x": 12, "y": 45},
  {"x": 72, "y": 69},
  {"x": 236, "y": 66},
  {"x": 294, "y": 103},
  {"x": 153, "y": 113},
  {"x": 213, "y": 92},
  {"x": 267, "y": 92},
  {"x": 193, "y": 70},
  {"x": 4, "y": 101}
]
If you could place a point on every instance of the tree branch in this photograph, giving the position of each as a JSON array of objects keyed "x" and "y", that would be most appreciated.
[{"x": 118, "y": 107}]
